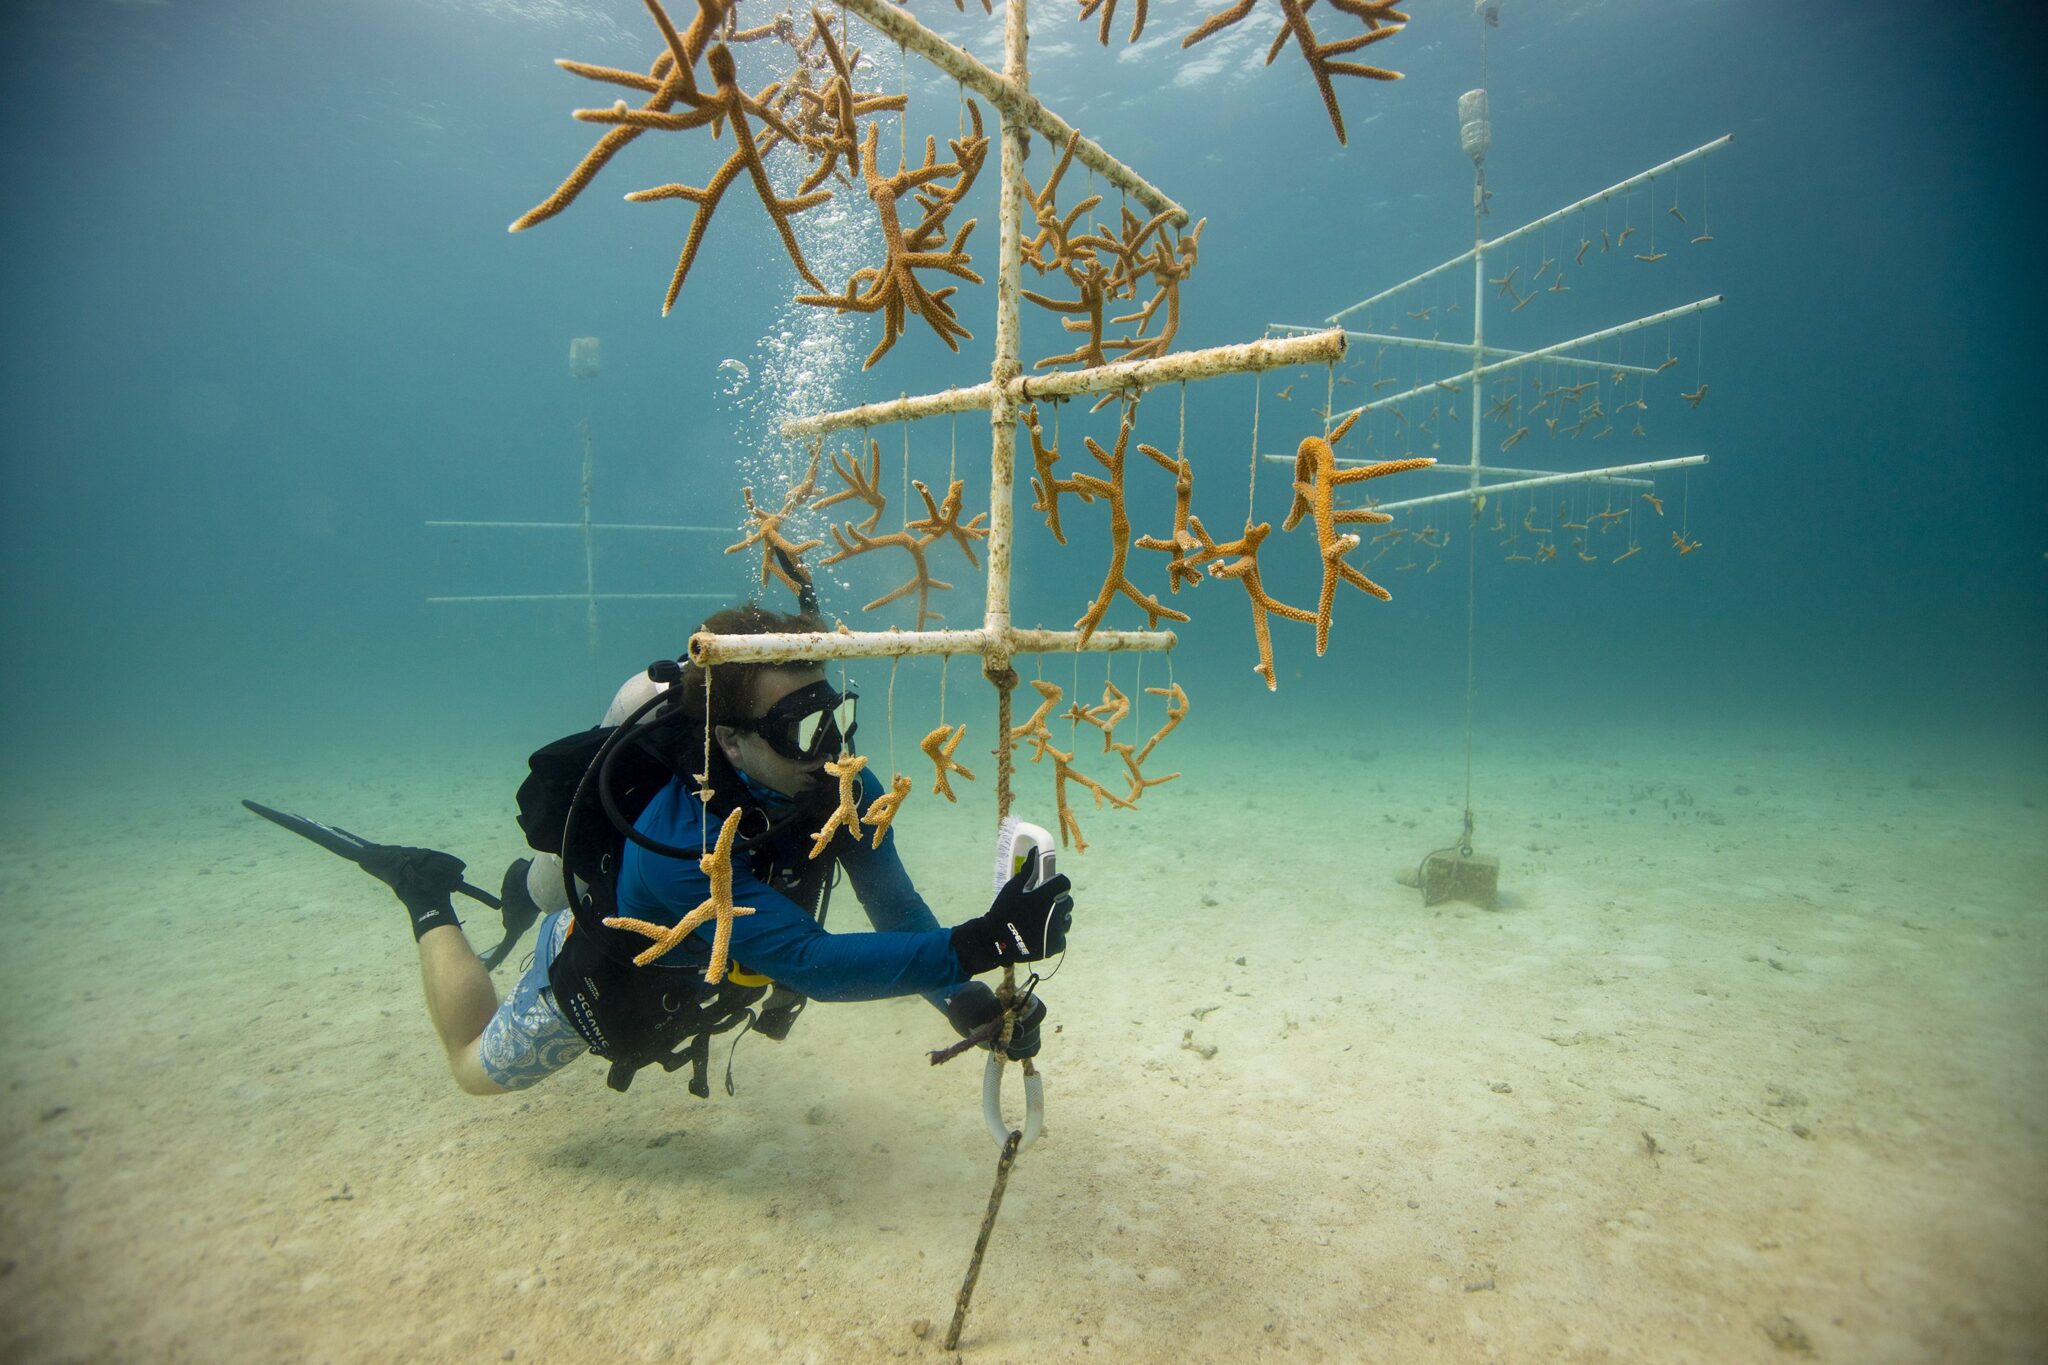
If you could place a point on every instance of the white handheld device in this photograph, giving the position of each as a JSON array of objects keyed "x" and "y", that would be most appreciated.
[{"x": 1016, "y": 841}]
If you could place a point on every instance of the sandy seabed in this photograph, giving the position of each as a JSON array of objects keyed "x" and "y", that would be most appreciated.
[{"x": 1748, "y": 1066}]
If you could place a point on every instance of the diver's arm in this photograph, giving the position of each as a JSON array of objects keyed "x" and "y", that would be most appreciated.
[
  {"x": 780, "y": 941},
  {"x": 878, "y": 875},
  {"x": 884, "y": 888}
]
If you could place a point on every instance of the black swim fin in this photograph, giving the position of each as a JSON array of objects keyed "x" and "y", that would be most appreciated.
[{"x": 340, "y": 842}]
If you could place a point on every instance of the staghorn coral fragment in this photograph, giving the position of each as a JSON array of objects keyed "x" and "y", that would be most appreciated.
[
  {"x": 1108, "y": 9},
  {"x": 767, "y": 529},
  {"x": 1316, "y": 481},
  {"x": 940, "y": 522},
  {"x": 863, "y": 485},
  {"x": 1111, "y": 490},
  {"x": 1176, "y": 712},
  {"x": 1245, "y": 569},
  {"x": 717, "y": 906},
  {"x": 1181, "y": 545},
  {"x": 938, "y": 746},
  {"x": 1045, "y": 487},
  {"x": 1320, "y": 56},
  {"x": 881, "y": 812},
  {"x": 893, "y": 288},
  {"x": 1036, "y": 732},
  {"x": 846, "y": 815},
  {"x": 670, "y": 81}
]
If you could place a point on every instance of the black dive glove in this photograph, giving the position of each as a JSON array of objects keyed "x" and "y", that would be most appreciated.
[
  {"x": 422, "y": 878},
  {"x": 1022, "y": 926},
  {"x": 974, "y": 1006}
]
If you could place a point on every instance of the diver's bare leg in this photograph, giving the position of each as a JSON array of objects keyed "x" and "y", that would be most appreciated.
[{"x": 460, "y": 1000}]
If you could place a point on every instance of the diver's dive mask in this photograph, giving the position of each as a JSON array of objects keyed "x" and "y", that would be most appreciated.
[{"x": 810, "y": 723}]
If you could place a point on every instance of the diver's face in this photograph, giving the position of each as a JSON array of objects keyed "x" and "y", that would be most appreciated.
[{"x": 753, "y": 755}]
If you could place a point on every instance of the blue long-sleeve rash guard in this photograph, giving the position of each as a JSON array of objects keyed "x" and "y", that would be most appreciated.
[{"x": 908, "y": 954}]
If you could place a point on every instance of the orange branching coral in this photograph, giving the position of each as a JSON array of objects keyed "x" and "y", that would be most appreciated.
[
  {"x": 938, "y": 746},
  {"x": 1316, "y": 481},
  {"x": 1104, "y": 266},
  {"x": 864, "y": 485},
  {"x": 666, "y": 82},
  {"x": 970, "y": 153},
  {"x": 1045, "y": 487},
  {"x": 781, "y": 26},
  {"x": 1104, "y": 715},
  {"x": 846, "y": 815},
  {"x": 881, "y": 812},
  {"x": 893, "y": 288},
  {"x": 1108, "y": 8},
  {"x": 1035, "y": 728},
  {"x": 1039, "y": 734},
  {"x": 1111, "y": 490},
  {"x": 1181, "y": 545},
  {"x": 717, "y": 865},
  {"x": 767, "y": 530},
  {"x": 1092, "y": 280},
  {"x": 941, "y": 521},
  {"x": 1320, "y": 55},
  {"x": 1245, "y": 569},
  {"x": 1051, "y": 248},
  {"x": 830, "y": 121},
  {"x": 1125, "y": 246},
  {"x": 672, "y": 80},
  {"x": 1168, "y": 265},
  {"x": 1065, "y": 772},
  {"x": 1176, "y": 712},
  {"x": 1132, "y": 770}
]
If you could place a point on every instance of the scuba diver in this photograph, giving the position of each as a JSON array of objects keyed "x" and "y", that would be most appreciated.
[{"x": 619, "y": 816}]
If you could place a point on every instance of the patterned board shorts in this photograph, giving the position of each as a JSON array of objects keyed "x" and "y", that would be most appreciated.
[{"x": 528, "y": 1039}]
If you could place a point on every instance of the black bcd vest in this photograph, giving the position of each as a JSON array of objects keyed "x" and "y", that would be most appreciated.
[{"x": 630, "y": 1015}]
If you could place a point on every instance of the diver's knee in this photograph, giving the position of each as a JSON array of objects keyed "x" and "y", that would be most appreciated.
[{"x": 470, "y": 1076}]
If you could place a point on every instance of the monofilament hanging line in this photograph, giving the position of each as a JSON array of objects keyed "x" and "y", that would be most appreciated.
[
  {"x": 1252, "y": 495},
  {"x": 704, "y": 781},
  {"x": 905, "y": 494},
  {"x": 895, "y": 660}
]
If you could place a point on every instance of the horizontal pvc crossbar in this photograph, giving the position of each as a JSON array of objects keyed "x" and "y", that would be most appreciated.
[
  {"x": 707, "y": 649},
  {"x": 579, "y": 526},
  {"x": 1319, "y": 348},
  {"x": 1014, "y": 104},
  {"x": 1460, "y": 348},
  {"x": 1611, "y": 474},
  {"x": 1540, "y": 353},
  {"x": 1618, "y": 188},
  {"x": 1463, "y": 471},
  {"x": 590, "y": 597}
]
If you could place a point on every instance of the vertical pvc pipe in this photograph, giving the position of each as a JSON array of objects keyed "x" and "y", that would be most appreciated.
[
  {"x": 1478, "y": 408},
  {"x": 1474, "y": 405},
  {"x": 1002, "y": 412}
]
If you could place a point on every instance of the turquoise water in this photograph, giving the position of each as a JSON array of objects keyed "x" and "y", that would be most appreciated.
[
  {"x": 1768, "y": 813},
  {"x": 264, "y": 321}
]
